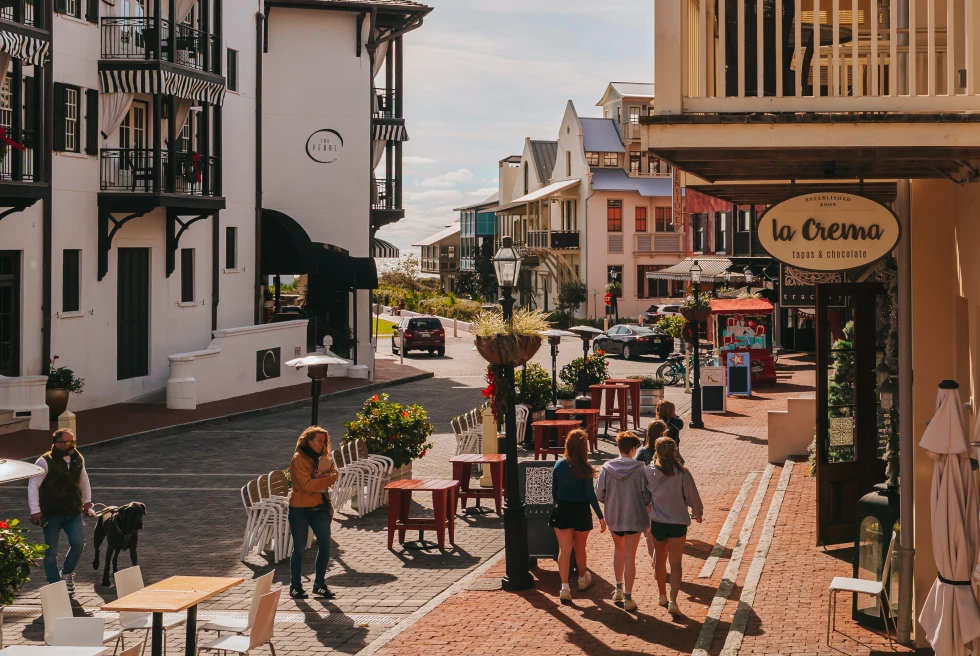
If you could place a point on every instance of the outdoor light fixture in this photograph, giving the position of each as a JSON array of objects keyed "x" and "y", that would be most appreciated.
[
  {"x": 317, "y": 364},
  {"x": 882, "y": 372},
  {"x": 887, "y": 391},
  {"x": 749, "y": 276},
  {"x": 695, "y": 273},
  {"x": 696, "y": 419},
  {"x": 507, "y": 264},
  {"x": 554, "y": 339}
]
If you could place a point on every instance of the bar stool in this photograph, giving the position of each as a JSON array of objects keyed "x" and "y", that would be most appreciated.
[
  {"x": 634, "y": 385},
  {"x": 611, "y": 400}
]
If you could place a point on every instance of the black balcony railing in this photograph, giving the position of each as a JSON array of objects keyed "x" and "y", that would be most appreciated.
[
  {"x": 136, "y": 38},
  {"x": 9, "y": 12},
  {"x": 556, "y": 240},
  {"x": 132, "y": 170},
  {"x": 9, "y": 169},
  {"x": 384, "y": 195},
  {"x": 385, "y": 106}
]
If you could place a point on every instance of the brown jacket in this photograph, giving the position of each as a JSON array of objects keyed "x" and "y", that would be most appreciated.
[{"x": 308, "y": 491}]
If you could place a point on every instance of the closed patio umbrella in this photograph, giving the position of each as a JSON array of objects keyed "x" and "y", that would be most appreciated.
[{"x": 951, "y": 614}]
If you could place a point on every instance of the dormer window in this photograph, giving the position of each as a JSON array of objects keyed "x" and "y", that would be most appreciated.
[
  {"x": 610, "y": 159},
  {"x": 592, "y": 158}
]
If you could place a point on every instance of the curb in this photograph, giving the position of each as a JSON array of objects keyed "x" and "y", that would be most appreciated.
[
  {"x": 382, "y": 641},
  {"x": 168, "y": 431}
]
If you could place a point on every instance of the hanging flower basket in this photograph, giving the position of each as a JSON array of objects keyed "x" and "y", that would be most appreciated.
[
  {"x": 696, "y": 314},
  {"x": 508, "y": 349}
]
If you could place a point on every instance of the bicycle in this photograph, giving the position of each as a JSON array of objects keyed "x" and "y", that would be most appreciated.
[{"x": 672, "y": 371}]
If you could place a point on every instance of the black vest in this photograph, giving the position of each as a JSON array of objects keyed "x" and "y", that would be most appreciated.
[{"x": 60, "y": 493}]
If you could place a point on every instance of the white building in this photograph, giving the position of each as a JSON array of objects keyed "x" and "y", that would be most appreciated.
[{"x": 137, "y": 226}]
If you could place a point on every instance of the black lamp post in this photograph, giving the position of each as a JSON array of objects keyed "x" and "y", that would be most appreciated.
[
  {"x": 317, "y": 371},
  {"x": 696, "y": 420},
  {"x": 507, "y": 266}
]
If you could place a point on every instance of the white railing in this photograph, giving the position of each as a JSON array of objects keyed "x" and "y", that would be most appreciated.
[{"x": 871, "y": 56}]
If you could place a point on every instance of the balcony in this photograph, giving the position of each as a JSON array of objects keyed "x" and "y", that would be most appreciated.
[
  {"x": 31, "y": 13},
  {"x": 555, "y": 240},
  {"x": 658, "y": 242},
  {"x": 19, "y": 165},
  {"x": 135, "y": 39},
  {"x": 132, "y": 170},
  {"x": 386, "y": 104},
  {"x": 385, "y": 196},
  {"x": 631, "y": 132}
]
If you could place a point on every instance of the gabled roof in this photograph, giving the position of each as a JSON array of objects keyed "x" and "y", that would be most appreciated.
[
  {"x": 446, "y": 232},
  {"x": 617, "y": 180},
  {"x": 544, "y": 192},
  {"x": 544, "y": 153},
  {"x": 627, "y": 90},
  {"x": 488, "y": 202},
  {"x": 600, "y": 136}
]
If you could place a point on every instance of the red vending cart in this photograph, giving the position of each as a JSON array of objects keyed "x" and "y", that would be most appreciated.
[{"x": 745, "y": 324}]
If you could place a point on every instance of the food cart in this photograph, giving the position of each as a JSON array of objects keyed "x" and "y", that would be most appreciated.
[{"x": 745, "y": 325}]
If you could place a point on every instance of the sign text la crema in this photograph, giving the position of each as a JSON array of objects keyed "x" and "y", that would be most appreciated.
[{"x": 829, "y": 231}]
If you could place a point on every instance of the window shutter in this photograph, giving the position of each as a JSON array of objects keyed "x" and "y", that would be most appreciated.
[
  {"x": 29, "y": 106},
  {"x": 61, "y": 6},
  {"x": 92, "y": 11},
  {"x": 91, "y": 122},
  {"x": 59, "y": 116}
]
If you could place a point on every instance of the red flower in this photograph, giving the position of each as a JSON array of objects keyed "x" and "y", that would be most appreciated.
[
  {"x": 404, "y": 414},
  {"x": 375, "y": 398},
  {"x": 4, "y": 525},
  {"x": 600, "y": 352},
  {"x": 424, "y": 451}
]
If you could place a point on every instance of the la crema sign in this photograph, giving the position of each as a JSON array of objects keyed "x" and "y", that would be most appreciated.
[{"x": 829, "y": 231}]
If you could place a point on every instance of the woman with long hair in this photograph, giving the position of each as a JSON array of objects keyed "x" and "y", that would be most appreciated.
[
  {"x": 573, "y": 492},
  {"x": 672, "y": 492},
  {"x": 667, "y": 413},
  {"x": 622, "y": 489},
  {"x": 312, "y": 472},
  {"x": 655, "y": 429}
]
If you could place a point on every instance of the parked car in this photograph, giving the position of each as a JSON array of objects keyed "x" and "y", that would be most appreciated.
[
  {"x": 633, "y": 340},
  {"x": 656, "y": 312},
  {"x": 419, "y": 334}
]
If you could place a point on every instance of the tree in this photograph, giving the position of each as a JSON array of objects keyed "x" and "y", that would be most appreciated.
[
  {"x": 407, "y": 274},
  {"x": 467, "y": 284},
  {"x": 483, "y": 265},
  {"x": 571, "y": 295}
]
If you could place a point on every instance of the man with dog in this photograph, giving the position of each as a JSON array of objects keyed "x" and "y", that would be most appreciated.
[{"x": 57, "y": 499}]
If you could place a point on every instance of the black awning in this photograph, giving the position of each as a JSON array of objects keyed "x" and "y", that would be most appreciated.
[
  {"x": 286, "y": 248},
  {"x": 365, "y": 273}
]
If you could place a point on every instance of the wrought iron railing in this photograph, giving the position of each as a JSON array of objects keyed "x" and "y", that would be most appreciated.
[
  {"x": 9, "y": 171},
  {"x": 136, "y": 38},
  {"x": 556, "y": 240},
  {"x": 9, "y": 11},
  {"x": 132, "y": 170},
  {"x": 384, "y": 194},
  {"x": 385, "y": 106}
]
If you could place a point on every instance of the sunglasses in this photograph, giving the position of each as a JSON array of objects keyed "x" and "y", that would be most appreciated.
[{"x": 67, "y": 442}]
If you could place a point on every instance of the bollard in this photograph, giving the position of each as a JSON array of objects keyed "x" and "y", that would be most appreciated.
[
  {"x": 455, "y": 328},
  {"x": 605, "y": 324},
  {"x": 489, "y": 443},
  {"x": 67, "y": 420}
]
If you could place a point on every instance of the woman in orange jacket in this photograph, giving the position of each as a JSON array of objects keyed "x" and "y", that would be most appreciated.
[{"x": 311, "y": 472}]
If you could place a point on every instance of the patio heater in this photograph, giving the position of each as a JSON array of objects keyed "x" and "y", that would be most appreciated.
[
  {"x": 317, "y": 370},
  {"x": 554, "y": 339}
]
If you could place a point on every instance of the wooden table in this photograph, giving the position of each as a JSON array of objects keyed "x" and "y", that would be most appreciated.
[
  {"x": 634, "y": 385},
  {"x": 443, "y": 505},
  {"x": 463, "y": 470},
  {"x": 47, "y": 650},
  {"x": 173, "y": 595},
  {"x": 614, "y": 399},
  {"x": 590, "y": 417},
  {"x": 541, "y": 435}
]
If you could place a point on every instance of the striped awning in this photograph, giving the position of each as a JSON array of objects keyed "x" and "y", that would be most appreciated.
[
  {"x": 390, "y": 132},
  {"x": 383, "y": 249},
  {"x": 166, "y": 82},
  {"x": 27, "y": 49},
  {"x": 712, "y": 270}
]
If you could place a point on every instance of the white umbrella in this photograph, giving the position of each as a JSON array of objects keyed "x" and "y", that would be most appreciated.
[
  {"x": 951, "y": 614},
  {"x": 15, "y": 470}
]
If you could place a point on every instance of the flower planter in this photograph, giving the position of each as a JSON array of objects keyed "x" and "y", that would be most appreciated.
[
  {"x": 508, "y": 350},
  {"x": 566, "y": 403},
  {"x": 649, "y": 398},
  {"x": 57, "y": 401},
  {"x": 696, "y": 314}
]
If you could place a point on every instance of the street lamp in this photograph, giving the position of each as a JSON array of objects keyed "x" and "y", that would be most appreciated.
[
  {"x": 749, "y": 279},
  {"x": 507, "y": 266},
  {"x": 554, "y": 338},
  {"x": 317, "y": 364},
  {"x": 696, "y": 421}
]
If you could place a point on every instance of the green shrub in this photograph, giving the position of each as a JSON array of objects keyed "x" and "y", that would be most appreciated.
[
  {"x": 673, "y": 326},
  {"x": 566, "y": 392},
  {"x": 64, "y": 378},
  {"x": 390, "y": 429},
  {"x": 596, "y": 371},
  {"x": 648, "y": 382},
  {"x": 537, "y": 393},
  {"x": 17, "y": 556},
  {"x": 452, "y": 307}
]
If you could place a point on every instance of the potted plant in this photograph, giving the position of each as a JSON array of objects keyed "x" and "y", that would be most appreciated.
[
  {"x": 566, "y": 396},
  {"x": 536, "y": 394},
  {"x": 696, "y": 308},
  {"x": 651, "y": 392},
  {"x": 17, "y": 557},
  {"x": 62, "y": 381},
  {"x": 509, "y": 344},
  {"x": 615, "y": 288},
  {"x": 392, "y": 430},
  {"x": 596, "y": 371}
]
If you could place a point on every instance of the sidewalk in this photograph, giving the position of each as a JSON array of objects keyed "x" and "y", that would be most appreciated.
[
  {"x": 128, "y": 419},
  {"x": 766, "y": 593}
]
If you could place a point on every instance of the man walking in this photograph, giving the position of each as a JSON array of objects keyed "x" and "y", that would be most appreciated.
[{"x": 57, "y": 499}]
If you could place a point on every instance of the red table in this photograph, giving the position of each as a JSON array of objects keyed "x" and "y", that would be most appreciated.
[
  {"x": 634, "y": 385},
  {"x": 443, "y": 504},
  {"x": 463, "y": 470},
  {"x": 590, "y": 416},
  {"x": 541, "y": 435},
  {"x": 615, "y": 404}
]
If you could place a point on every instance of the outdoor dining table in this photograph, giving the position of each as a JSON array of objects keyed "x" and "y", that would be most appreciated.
[
  {"x": 541, "y": 435},
  {"x": 463, "y": 470},
  {"x": 634, "y": 385},
  {"x": 443, "y": 508},
  {"x": 173, "y": 595},
  {"x": 48, "y": 650}
]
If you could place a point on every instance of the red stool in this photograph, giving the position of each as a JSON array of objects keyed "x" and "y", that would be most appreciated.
[
  {"x": 463, "y": 470},
  {"x": 443, "y": 505},
  {"x": 590, "y": 417},
  {"x": 611, "y": 400},
  {"x": 634, "y": 385},
  {"x": 541, "y": 434}
]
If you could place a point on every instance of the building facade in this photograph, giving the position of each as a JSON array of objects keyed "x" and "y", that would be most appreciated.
[
  {"x": 477, "y": 225},
  {"x": 440, "y": 256}
]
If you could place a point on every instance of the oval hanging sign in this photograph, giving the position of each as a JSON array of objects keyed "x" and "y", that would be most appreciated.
[{"x": 829, "y": 231}]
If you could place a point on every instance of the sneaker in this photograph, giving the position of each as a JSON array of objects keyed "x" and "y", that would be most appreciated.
[
  {"x": 298, "y": 593},
  {"x": 323, "y": 591},
  {"x": 585, "y": 581},
  {"x": 663, "y": 601},
  {"x": 673, "y": 609},
  {"x": 629, "y": 605},
  {"x": 565, "y": 596},
  {"x": 618, "y": 595},
  {"x": 69, "y": 580}
]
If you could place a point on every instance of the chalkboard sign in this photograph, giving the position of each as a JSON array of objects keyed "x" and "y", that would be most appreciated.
[
  {"x": 713, "y": 399},
  {"x": 739, "y": 365}
]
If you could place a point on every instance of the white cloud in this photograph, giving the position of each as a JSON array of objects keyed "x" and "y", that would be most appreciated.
[
  {"x": 417, "y": 160},
  {"x": 433, "y": 195},
  {"x": 450, "y": 179},
  {"x": 483, "y": 193}
]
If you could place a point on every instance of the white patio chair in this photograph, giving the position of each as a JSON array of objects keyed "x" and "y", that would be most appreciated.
[
  {"x": 350, "y": 479},
  {"x": 279, "y": 493},
  {"x": 263, "y": 629},
  {"x": 385, "y": 464},
  {"x": 128, "y": 581},
  {"x": 263, "y": 585},
  {"x": 257, "y": 516},
  {"x": 877, "y": 589},
  {"x": 56, "y": 604},
  {"x": 368, "y": 491},
  {"x": 280, "y": 510},
  {"x": 135, "y": 650},
  {"x": 79, "y": 632}
]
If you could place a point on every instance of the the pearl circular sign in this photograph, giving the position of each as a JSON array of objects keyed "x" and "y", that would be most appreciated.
[
  {"x": 829, "y": 231},
  {"x": 324, "y": 146}
]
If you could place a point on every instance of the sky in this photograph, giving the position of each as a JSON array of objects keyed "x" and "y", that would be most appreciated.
[{"x": 481, "y": 75}]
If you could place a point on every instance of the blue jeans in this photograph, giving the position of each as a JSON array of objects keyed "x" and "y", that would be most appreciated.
[
  {"x": 301, "y": 520},
  {"x": 74, "y": 528}
]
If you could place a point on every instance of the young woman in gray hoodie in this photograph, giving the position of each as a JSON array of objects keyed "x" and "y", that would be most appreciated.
[{"x": 622, "y": 488}]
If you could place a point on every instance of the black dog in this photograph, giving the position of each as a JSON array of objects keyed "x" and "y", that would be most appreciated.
[{"x": 120, "y": 527}]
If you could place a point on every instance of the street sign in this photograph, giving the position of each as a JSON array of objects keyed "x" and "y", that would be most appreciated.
[{"x": 608, "y": 298}]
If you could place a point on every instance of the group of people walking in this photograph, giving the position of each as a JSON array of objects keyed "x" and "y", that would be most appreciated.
[{"x": 645, "y": 492}]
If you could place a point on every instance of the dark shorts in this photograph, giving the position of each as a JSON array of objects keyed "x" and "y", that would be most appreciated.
[
  {"x": 663, "y": 531},
  {"x": 622, "y": 533},
  {"x": 571, "y": 514}
]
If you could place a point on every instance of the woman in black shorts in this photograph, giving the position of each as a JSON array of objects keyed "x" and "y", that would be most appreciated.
[
  {"x": 573, "y": 491},
  {"x": 672, "y": 492}
]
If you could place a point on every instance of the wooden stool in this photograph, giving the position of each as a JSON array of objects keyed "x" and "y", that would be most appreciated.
[
  {"x": 541, "y": 433},
  {"x": 443, "y": 504},
  {"x": 463, "y": 470},
  {"x": 590, "y": 417},
  {"x": 611, "y": 400},
  {"x": 634, "y": 385}
]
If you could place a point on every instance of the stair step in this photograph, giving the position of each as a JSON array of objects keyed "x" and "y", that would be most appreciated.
[{"x": 9, "y": 423}]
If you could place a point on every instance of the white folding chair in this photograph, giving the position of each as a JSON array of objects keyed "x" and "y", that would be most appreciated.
[
  {"x": 877, "y": 589},
  {"x": 523, "y": 412},
  {"x": 384, "y": 465},
  {"x": 56, "y": 604},
  {"x": 128, "y": 581},
  {"x": 242, "y": 625},
  {"x": 263, "y": 629},
  {"x": 370, "y": 480},
  {"x": 349, "y": 480},
  {"x": 134, "y": 651},
  {"x": 280, "y": 511},
  {"x": 78, "y": 632},
  {"x": 273, "y": 517}
]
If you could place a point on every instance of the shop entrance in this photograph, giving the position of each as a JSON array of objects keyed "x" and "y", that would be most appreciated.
[{"x": 848, "y": 461}]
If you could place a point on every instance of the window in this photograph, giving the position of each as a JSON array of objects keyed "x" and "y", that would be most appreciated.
[
  {"x": 568, "y": 163},
  {"x": 654, "y": 166},
  {"x": 663, "y": 219},
  {"x": 69, "y": 7},
  {"x": 184, "y": 138},
  {"x": 699, "y": 232},
  {"x": 635, "y": 115},
  {"x": 635, "y": 163},
  {"x": 614, "y": 216},
  {"x": 231, "y": 248},
  {"x": 452, "y": 251},
  {"x": 641, "y": 219},
  {"x": 592, "y": 158},
  {"x": 67, "y": 111},
  {"x": 186, "y": 275},
  {"x": 610, "y": 159},
  {"x": 652, "y": 287},
  {"x": 70, "y": 260},
  {"x": 71, "y": 120},
  {"x": 721, "y": 232},
  {"x": 569, "y": 220},
  {"x": 232, "y": 70},
  {"x": 744, "y": 221}
]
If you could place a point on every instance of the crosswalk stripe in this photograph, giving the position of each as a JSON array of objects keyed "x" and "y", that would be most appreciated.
[{"x": 726, "y": 529}]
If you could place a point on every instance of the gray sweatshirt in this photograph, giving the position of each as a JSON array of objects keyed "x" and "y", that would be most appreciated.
[
  {"x": 671, "y": 497},
  {"x": 622, "y": 488}
]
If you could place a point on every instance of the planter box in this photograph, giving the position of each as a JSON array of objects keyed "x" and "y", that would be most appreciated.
[
  {"x": 397, "y": 474},
  {"x": 649, "y": 398},
  {"x": 566, "y": 403}
]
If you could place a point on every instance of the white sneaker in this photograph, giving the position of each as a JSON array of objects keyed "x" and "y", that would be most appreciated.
[
  {"x": 673, "y": 609},
  {"x": 69, "y": 580},
  {"x": 618, "y": 595},
  {"x": 565, "y": 596},
  {"x": 663, "y": 601},
  {"x": 629, "y": 605},
  {"x": 585, "y": 581}
]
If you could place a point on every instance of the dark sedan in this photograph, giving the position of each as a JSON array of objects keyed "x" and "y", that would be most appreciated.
[{"x": 633, "y": 340}]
